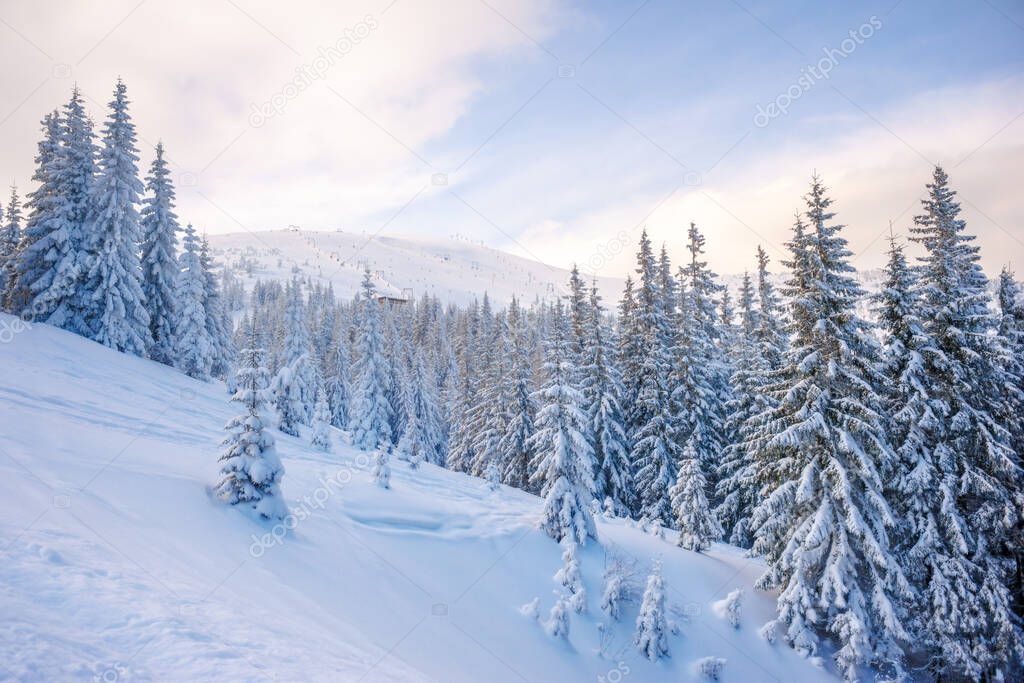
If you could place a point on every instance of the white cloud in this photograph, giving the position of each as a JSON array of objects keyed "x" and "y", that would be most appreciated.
[
  {"x": 194, "y": 70},
  {"x": 874, "y": 177}
]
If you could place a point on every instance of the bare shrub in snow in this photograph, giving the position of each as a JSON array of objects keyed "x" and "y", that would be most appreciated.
[{"x": 710, "y": 668}]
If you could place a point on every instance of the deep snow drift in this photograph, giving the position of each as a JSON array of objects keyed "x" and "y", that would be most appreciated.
[{"x": 117, "y": 565}]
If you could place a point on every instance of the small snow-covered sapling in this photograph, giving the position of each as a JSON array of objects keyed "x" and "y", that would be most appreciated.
[{"x": 382, "y": 467}]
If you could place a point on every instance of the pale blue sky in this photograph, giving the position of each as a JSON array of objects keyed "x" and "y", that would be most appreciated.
[{"x": 559, "y": 125}]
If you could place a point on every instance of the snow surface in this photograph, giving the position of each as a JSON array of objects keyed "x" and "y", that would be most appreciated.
[{"x": 117, "y": 565}]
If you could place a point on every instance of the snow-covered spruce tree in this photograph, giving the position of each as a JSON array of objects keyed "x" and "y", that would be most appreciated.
[
  {"x": 824, "y": 526},
  {"x": 464, "y": 395},
  {"x": 697, "y": 524},
  {"x": 49, "y": 259},
  {"x": 1011, "y": 334},
  {"x": 10, "y": 238},
  {"x": 618, "y": 574},
  {"x": 570, "y": 577},
  {"x": 960, "y": 493},
  {"x": 737, "y": 489},
  {"x": 493, "y": 475},
  {"x": 628, "y": 351},
  {"x": 396, "y": 361},
  {"x": 422, "y": 436},
  {"x": 577, "y": 309},
  {"x": 769, "y": 332},
  {"x": 339, "y": 384},
  {"x": 564, "y": 461},
  {"x": 192, "y": 349},
  {"x": 557, "y": 625},
  {"x": 110, "y": 290},
  {"x": 251, "y": 471},
  {"x": 651, "y": 635},
  {"x": 769, "y": 345},
  {"x": 321, "y": 438},
  {"x": 370, "y": 411},
  {"x": 902, "y": 365},
  {"x": 382, "y": 466},
  {"x": 160, "y": 227},
  {"x": 514, "y": 446},
  {"x": 1010, "y": 329},
  {"x": 218, "y": 318},
  {"x": 698, "y": 382},
  {"x": 602, "y": 389},
  {"x": 655, "y": 451},
  {"x": 296, "y": 355},
  {"x": 288, "y": 403},
  {"x": 492, "y": 412}
]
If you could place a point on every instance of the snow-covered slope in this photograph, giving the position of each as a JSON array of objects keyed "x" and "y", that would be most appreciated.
[
  {"x": 116, "y": 565},
  {"x": 455, "y": 271}
]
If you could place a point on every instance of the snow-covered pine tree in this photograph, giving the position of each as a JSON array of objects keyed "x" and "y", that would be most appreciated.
[
  {"x": 493, "y": 475},
  {"x": 628, "y": 350},
  {"x": 516, "y": 453},
  {"x": 697, "y": 524},
  {"x": 463, "y": 395},
  {"x": 339, "y": 383},
  {"x": 296, "y": 355},
  {"x": 655, "y": 451},
  {"x": 490, "y": 419},
  {"x": 577, "y": 305},
  {"x": 824, "y": 526},
  {"x": 218, "y": 318},
  {"x": 570, "y": 577},
  {"x": 49, "y": 259},
  {"x": 160, "y": 227},
  {"x": 321, "y": 437},
  {"x": 698, "y": 380},
  {"x": 557, "y": 625},
  {"x": 737, "y": 488},
  {"x": 422, "y": 436},
  {"x": 382, "y": 465},
  {"x": 10, "y": 238},
  {"x": 192, "y": 350},
  {"x": 960, "y": 496},
  {"x": 1011, "y": 334},
  {"x": 902, "y": 365},
  {"x": 370, "y": 411},
  {"x": 1010, "y": 329},
  {"x": 564, "y": 461},
  {"x": 602, "y": 389},
  {"x": 110, "y": 290},
  {"x": 769, "y": 332},
  {"x": 251, "y": 469},
  {"x": 287, "y": 393},
  {"x": 396, "y": 347},
  {"x": 651, "y": 635}
]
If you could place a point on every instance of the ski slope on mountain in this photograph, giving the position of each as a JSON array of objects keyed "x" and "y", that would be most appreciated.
[
  {"x": 117, "y": 565},
  {"x": 455, "y": 271}
]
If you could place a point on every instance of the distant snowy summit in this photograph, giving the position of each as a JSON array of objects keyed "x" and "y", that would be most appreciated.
[
  {"x": 455, "y": 271},
  {"x": 403, "y": 267}
]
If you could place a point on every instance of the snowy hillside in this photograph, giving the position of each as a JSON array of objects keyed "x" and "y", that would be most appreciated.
[
  {"x": 118, "y": 565},
  {"x": 455, "y": 271}
]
